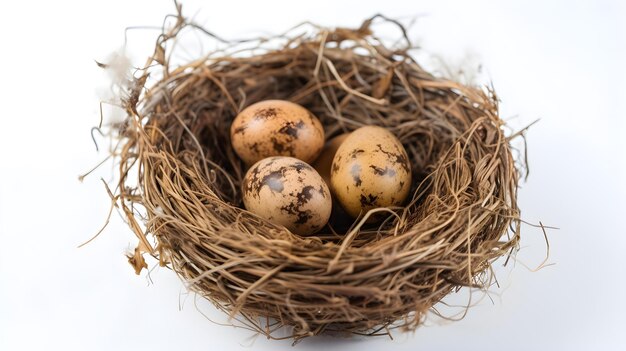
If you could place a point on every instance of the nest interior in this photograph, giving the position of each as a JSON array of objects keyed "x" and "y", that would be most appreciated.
[{"x": 176, "y": 164}]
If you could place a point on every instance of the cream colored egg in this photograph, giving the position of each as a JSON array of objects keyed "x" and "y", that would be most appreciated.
[
  {"x": 324, "y": 161},
  {"x": 370, "y": 170},
  {"x": 276, "y": 128},
  {"x": 287, "y": 191}
]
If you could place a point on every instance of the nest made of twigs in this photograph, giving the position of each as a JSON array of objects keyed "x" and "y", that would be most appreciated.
[{"x": 179, "y": 182}]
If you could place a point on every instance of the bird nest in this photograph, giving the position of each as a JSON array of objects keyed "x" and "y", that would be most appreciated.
[{"x": 178, "y": 181}]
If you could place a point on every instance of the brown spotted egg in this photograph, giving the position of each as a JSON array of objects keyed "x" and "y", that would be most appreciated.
[
  {"x": 276, "y": 128},
  {"x": 370, "y": 170},
  {"x": 289, "y": 192}
]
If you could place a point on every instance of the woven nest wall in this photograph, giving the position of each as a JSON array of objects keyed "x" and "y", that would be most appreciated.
[{"x": 179, "y": 182}]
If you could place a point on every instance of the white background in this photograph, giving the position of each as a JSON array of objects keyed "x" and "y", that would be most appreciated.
[{"x": 560, "y": 61}]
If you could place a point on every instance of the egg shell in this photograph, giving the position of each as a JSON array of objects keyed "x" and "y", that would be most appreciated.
[
  {"x": 370, "y": 170},
  {"x": 324, "y": 161},
  {"x": 289, "y": 192},
  {"x": 276, "y": 128}
]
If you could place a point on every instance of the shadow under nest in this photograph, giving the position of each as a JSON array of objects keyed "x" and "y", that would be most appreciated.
[{"x": 177, "y": 165}]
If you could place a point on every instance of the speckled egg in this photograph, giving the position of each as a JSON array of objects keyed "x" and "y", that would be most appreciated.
[
  {"x": 324, "y": 161},
  {"x": 370, "y": 170},
  {"x": 287, "y": 191},
  {"x": 276, "y": 128}
]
